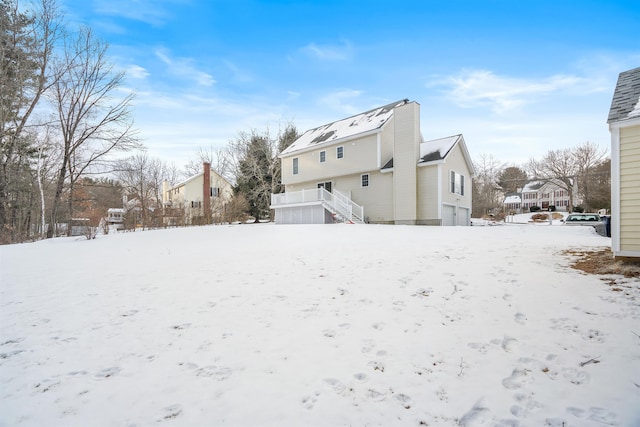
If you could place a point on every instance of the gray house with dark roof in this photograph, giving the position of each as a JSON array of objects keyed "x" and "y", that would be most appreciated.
[
  {"x": 624, "y": 125},
  {"x": 374, "y": 167}
]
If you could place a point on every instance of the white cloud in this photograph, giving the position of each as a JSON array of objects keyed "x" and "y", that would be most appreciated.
[
  {"x": 502, "y": 94},
  {"x": 340, "y": 101},
  {"x": 153, "y": 12},
  {"x": 137, "y": 72},
  {"x": 340, "y": 52},
  {"x": 184, "y": 67}
]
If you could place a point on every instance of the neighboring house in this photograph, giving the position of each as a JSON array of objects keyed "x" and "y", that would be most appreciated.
[
  {"x": 513, "y": 203},
  {"x": 115, "y": 217},
  {"x": 545, "y": 194},
  {"x": 624, "y": 125},
  {"x": 197, "y": 199},
  {"x": 374, "y": 167}
]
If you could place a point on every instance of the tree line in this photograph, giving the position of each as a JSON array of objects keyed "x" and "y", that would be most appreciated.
[
  {"x": 583, "y": 170},
  {"x": 68, "y": 145}
]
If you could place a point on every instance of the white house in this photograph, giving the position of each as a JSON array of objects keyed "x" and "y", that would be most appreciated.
[
  {"x": 374, "y": 167},
  {"x": 546, "y": 194},
  {"x": 196, "y": 199},
  {"x": 624, "y": 126}
]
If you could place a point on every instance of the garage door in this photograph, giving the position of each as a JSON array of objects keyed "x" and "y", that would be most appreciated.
[
  {"x": 448, "y": 215},
  {"x": 463, "y": 216}
]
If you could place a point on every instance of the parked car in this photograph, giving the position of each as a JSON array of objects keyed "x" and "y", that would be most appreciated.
[{"x": 591, "y": 219}]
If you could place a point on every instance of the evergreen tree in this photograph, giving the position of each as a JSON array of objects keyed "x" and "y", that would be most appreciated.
[
  {"x": 26, "y": 43},
  {"x": 254, "y": 179},
  {"x": 257, "y": 167},
  {"x": 512, "y": 179}
]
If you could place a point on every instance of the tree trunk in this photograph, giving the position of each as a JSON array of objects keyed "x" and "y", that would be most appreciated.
[{"x": 56, "y": 199}]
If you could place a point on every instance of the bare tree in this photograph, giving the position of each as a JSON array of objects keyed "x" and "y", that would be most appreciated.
[
  {"x": 587, "y": 157},
  {"x": 217, "y": 157},
  {"x": 559, "y": 167},
  {"x": 94, "y": 122},
  {"x": 487, "y": 195},
  {"x": 142, "y": 176}
]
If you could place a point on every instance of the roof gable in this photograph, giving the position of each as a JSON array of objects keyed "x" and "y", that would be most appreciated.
[
  {"x": 626, "y": 97},
  {"x": 437, "y": 149},
  {"x": 368, "y": 121}
]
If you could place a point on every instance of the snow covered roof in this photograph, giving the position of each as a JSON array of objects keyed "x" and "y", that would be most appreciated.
[
  {"x": 437, "y": 149},
  {"x": 532, "y": 186},
  {"x": 626, "y": 97},
  {"x": 512, "y": 199},
  {"x": 368, "y": 121}
]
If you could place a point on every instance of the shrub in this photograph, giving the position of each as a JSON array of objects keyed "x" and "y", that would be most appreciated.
[{"x": 540, "y": 217}]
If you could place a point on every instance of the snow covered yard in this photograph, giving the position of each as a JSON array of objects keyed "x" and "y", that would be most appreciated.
[{"x": 268, "y": 325}]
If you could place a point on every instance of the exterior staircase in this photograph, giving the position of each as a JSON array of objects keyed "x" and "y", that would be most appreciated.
[
  {"x": 339, "y": 204},
  {"x": 343, "y": 208}
]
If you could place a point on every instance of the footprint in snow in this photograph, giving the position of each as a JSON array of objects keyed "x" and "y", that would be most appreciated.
[
  {"x": 520, "y": 318},
  {"x": 361, "y": 377},
  {"x": 576, "y": 376},
  {"x": 509, "y": 344},
  {"x": 482, "y": 348},
  {"x": 220, "y": 373},
  {"x": 171, "y": 412},
  {"x": 375, "y": 395},
  {"x": 335, "y": 384},
  {"x": 404, "y": 400},
  {"x": 308, "y": 401},
  {"x": 108, "y": 372},
  {"x": 479, "y": 414},
  {"x": 595, "y": 413}
]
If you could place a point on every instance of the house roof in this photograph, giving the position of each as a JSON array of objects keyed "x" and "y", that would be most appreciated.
[
  {"x": 532, "y": 186},
  {"x": 191, "y": 178},
  {"x": 626, "y": 97},
  {"x": 512, "y": 199},
  {"x": 368, "y": 121},
  {"x": 437, "y": 149}
]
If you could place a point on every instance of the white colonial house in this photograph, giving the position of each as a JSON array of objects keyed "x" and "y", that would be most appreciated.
[
  {"x": 197, "y": 199},
  {"x": 543, "y": 195},
  {"x": 374, "y": 167},
  {"x": 624, "y": 126}
]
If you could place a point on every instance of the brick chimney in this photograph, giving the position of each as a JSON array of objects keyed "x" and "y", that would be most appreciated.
[{"x": 206, "y": 190}]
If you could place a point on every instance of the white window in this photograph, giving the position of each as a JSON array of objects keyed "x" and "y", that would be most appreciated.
[
  {"x": 339, "y": 152},
  {"x": 215, "y": 191},
  {"x": 295, "y": 166},
  {"x": 323, "y": 156},
  {"x": 456, "y": 183},
  {"x": 364, "y": 178}
]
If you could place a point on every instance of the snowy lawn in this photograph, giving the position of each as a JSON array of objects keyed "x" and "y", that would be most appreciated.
[{"x": 269, "y": 325}]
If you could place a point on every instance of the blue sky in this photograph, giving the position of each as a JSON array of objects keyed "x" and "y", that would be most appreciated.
[{"x": 517, "y": 78}]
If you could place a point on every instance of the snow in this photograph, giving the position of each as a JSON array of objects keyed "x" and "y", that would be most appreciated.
[
  {"x": 440, "y": 146},
  {"x": 512, "y": 199},
  {"x": 318, "y": 325},
  {"x": 636, "y": 110},
  {"x": 368, "y": 121}
]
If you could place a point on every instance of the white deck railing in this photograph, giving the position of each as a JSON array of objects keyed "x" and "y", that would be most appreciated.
[{"x": 337, "y": 202}]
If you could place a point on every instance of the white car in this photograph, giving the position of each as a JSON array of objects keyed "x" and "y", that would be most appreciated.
[{"x": 591, "y": 219}]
